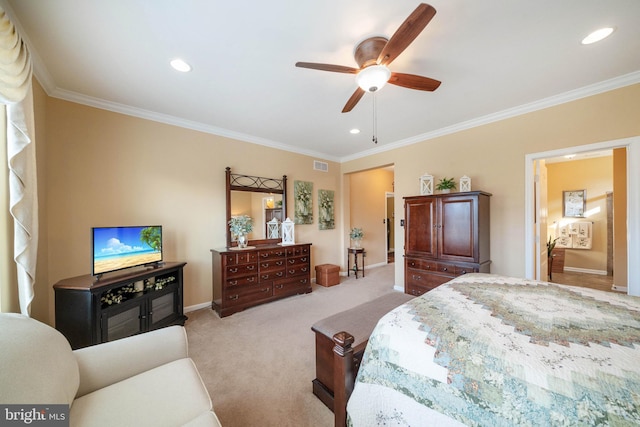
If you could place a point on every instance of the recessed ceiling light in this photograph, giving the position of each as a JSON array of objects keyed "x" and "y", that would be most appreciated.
[
  {"x": 597, "y": 35},
  {"x": 180, "y": 65},
  {"x": 354, "y": 131}
]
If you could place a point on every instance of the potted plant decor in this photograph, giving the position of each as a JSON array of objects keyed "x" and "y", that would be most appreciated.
[
  {"x": 240, "y": 226},
  {"x": 356, "y": 236},
  {"x": 446, "y": 185}
]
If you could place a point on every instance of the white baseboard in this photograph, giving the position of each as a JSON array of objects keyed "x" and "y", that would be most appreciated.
[
  {"x": 197, "y": 307},
  {"x": 342, "y": 273},
  {"x": 586, "y": 270}
]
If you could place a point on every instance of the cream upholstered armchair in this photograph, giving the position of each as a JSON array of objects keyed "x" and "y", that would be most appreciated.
[{"x": 144, "y": 380}]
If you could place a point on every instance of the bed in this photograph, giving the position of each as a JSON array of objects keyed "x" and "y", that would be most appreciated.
[{"x": 490, "y": 350}]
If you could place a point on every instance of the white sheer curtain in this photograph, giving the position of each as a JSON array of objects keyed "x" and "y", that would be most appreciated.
[{"x": 15, "y": 93}]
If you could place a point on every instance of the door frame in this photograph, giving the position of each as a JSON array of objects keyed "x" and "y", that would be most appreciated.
[
  {"x": 633, "y": 202},
  {"x": 390, "y": 223}
]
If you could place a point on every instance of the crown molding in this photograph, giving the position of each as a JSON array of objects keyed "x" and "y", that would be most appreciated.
[{"x": 573, "y": 95}]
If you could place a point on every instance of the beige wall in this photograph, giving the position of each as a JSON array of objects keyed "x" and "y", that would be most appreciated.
[
  {"x": 493, "y": 156},
  {"x": 596, "y": 177},
  {"x": 103, "y": 168}
]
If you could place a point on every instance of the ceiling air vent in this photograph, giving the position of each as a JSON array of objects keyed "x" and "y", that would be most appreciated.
[{"x": 320, "y": 166}]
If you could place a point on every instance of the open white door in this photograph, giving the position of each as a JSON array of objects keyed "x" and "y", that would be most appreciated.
[{"x": 541, "y": 213}]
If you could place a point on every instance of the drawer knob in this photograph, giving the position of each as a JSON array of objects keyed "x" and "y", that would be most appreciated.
[
  {"x": 445, "y": 269},
  {"x": 233, "y": 270},
  {"x": 233, "y": 297},
  {"x": 250, "y": 267},
  {"x": 233, "y": 282}
]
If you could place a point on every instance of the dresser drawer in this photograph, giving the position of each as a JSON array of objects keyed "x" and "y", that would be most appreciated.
[
  {"x": 298, "y": 250},
  {"x": 298, "y": 269},
  {"x": 272, "y": 253},
  {"x": 239, "y": 258},
  {"x": 297, "y": 261},
  {"x": 242, "y": 281},
  {"x": 283, "y": 287},
  {"x": 272, "y": 264},
  {"x": 272, "y": 274},
  {"x": 240, "y": 270},
  {"x": 248, "y": 294}
]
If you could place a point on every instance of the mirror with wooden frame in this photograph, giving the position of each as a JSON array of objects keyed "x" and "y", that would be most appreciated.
[{"x": 263, "y": 199}]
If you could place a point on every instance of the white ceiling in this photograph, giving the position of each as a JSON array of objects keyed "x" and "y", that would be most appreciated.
[{"x": 495, "y": 58}]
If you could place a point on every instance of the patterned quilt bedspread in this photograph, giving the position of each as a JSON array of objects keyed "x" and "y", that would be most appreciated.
[{"x": 490, "y": 350}]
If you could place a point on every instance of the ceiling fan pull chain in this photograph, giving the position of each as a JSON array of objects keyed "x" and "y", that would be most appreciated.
[{"x": 375, "y": 119}]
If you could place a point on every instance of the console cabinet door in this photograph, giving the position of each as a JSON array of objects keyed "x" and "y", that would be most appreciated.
[
  {"x": 123, "y": 321},
  {"x": 457, "y": 228},
  {"x": 420, "y": 227}
]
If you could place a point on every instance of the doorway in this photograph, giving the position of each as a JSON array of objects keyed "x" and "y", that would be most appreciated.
[{"x": 632, "y": 146}]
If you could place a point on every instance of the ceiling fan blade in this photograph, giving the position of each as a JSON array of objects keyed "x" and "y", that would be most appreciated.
[
  {"x": 357, "y": 95},
  {"x": 406, "y": 33},
  {"x": 327, "y": 67},
  {"x": 412, "y": 81}
]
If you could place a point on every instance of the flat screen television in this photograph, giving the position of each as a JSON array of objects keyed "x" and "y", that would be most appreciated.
[{"x": 117, "y": 248}]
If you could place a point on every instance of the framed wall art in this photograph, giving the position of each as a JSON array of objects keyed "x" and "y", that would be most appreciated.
[
  {"x": 326, "y": 215},
  {"x": 574, "y": 203},
  {"x": 302, "y": 194}
]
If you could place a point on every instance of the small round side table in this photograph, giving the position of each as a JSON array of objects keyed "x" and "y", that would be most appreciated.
[{"x": 355, "y": 268}]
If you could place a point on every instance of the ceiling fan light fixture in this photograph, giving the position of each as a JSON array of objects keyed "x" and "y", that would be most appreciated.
[{"x": 373, "y": 78}]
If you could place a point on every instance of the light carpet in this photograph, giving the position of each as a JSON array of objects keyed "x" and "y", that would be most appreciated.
[{"x": 258, "y": 364}]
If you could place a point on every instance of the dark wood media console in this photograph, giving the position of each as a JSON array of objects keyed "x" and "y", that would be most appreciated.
[{"x": 85, "y": 317}]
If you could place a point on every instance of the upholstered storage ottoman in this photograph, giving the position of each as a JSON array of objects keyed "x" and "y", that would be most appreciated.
[{"x": 327, "y": 274}]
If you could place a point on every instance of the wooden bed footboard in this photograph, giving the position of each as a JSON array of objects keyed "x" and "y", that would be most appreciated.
[{"x": 345, "y": 368}]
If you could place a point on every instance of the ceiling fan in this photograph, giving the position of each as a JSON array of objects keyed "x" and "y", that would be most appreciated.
[{"x": 374, "y": 55}]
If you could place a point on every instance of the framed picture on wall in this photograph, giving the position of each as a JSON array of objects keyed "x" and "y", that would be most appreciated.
[{"x": 574, "y": 203}]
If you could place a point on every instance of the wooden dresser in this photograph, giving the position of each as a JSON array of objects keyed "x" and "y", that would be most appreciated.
[
  {"x": 446, "y": 235},
  {"x": 248, "y": 277}
]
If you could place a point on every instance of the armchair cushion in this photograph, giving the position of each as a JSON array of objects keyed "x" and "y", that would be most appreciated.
[
  {"x": 111, "y": 362},
  {"x": 151, "y": 398},
  {"x": 36, "y": 363}
]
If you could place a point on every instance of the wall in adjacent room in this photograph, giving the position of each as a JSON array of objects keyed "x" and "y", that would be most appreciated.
[
  {"x": 368, "y": 210},
  {"x": 596, "y": 177}
]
